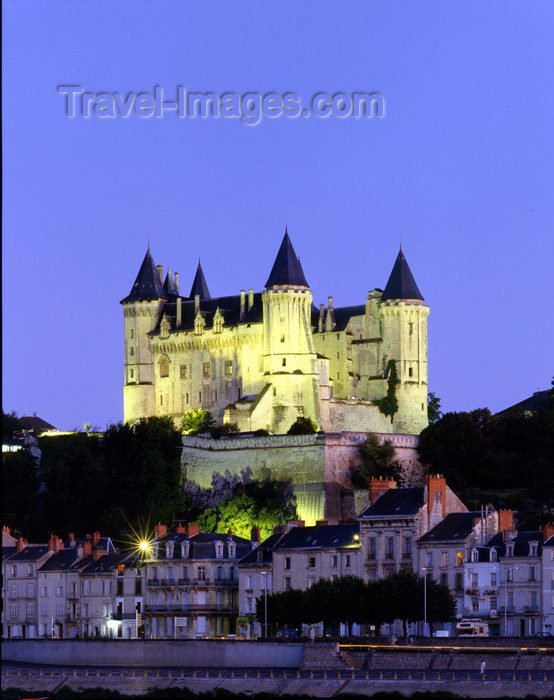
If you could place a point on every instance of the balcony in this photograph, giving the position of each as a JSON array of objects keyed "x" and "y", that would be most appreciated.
[
  {"x": 491, "y": 591},
  {"x": 162, "y": 582},
  {"x": 183, "y": 582},
  {"x": 532, "y": 609},
  {"x": 201, "y": 581},
  {"x": 124, "y": 616},
  {"x": 472, "y": 591}
]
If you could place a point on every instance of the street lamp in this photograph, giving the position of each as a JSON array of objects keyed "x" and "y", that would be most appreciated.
[
  {"x": 508, "y": 569},
  {"x": 264, "y": 579},
  {"x": 424, "y": 569}
]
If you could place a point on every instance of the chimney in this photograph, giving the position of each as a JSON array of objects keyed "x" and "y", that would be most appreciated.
[
  {"x": 436, "y": 490},
  {"x": 7, "y": 530},
  {"x": 321, "y": 522},
  {"x": 242, "y": 302},
  {"x": 176, "y": 276},
  {"x": 180, "y": 529},
  {"x": 255, "y": 534},
  {"x": 95, "y": 538},
  {"x": 548, "y": 531},
  {"x": 229, "y": 534},
  {"x": 506, "y": 520},
  {"x": 71, "y": 536},
  {"x": 179, "y": 315},
  {"x": 250, "y": 299},
  {"x": 160, "y": 530},
  {"x": 54, "y": 544},
  {"x": 377, "y": 487},
  {"x": 330, "y": 302},
  {"x": 160, "y": 269},
  {"x": 196, "y": 303},
  {"x": 321, "y": 320},
  {"x": 192, "y": 529},
  {"x": 294, "y": 523},
  {"x": 87, "y": 548},
  {"x": 278, "y": 530},
  {"x": 96, "y": 554},
  {"x": 20, "y": 544}
]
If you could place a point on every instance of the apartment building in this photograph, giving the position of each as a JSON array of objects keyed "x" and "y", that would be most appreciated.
[{"x": 548, "y": 580}]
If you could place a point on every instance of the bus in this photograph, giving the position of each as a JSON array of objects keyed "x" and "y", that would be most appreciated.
[{"x": 472, "y": 628}]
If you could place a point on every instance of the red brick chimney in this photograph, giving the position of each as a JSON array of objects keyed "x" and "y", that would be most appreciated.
[
  {"x": 436, "y": 488},
  {"x": 87, "y": 548},
  {"x": 506, "y": 520},
  {"x": 229, "y": 534},
  {"x": 192, "y": 529},
  {"x": 377, "y": 487},
  {"x": 180, "y": 529},
  {"x": 7, "y": 530},
  {"x": 160, "y": 530},
  {"x": 54, "y": 544},
  {"x": 255, "y": 534},
  {"x": 20, "y": 544},
  {"x": 95, "y": 538},
  {"x": 548, "y": 531}
]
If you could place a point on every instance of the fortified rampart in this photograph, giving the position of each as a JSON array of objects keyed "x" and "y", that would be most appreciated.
[{"x": 318, "y": 465}]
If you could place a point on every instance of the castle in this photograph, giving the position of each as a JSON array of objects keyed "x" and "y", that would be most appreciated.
[{"x": 263, "y": 359}]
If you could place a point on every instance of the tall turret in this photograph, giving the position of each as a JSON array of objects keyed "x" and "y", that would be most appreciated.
[
  {"x": 140, "y": 311},
  {"x": 290, "y": 360},
  {"x": 404, "y": 317}
]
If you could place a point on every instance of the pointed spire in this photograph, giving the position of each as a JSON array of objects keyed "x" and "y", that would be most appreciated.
[
  {"x": 401, "y": 284},
  {"x": 169, "y": 284},
  {"x": 286, "y": 269},
  {"x": 200, "y": 286},
  {"x": 147, "y": 286}
]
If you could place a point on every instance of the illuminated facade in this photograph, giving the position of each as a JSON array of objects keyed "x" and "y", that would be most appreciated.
[{"x": 262, "y": 359}]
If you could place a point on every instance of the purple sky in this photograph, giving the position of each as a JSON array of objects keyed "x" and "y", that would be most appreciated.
[{"x": 460, "y": 170}]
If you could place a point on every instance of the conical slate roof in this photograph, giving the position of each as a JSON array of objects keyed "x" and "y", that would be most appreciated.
[
  {"x": 286, "y": 269},
  {"x": 401, "y": 284},
  {"x": 169, "y": 284},
  {"x": 147, "y": 286},
  {"x": 200, "y": 286}
]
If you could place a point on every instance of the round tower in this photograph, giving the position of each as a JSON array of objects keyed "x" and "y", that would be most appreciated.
[
  {"x": 140, "y": 312},
  {"x": 290, "y": 359},
  {"x": 404, "y": 318}
]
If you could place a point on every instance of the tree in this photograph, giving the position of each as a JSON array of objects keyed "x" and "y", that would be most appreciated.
[
  {"x": 377, "y": 460},
  {"x": 20, "y": 493},
  {"x": 303, "y": 426},
  {"x": 286, "y": 609},
  {"x": 433, "y": 408},
  {"x": 197, "y": 421}
]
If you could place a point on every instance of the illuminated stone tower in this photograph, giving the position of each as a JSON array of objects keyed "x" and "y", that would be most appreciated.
[
  {"x": 289, "y": 356},
  {"x": 404, "y": 333},
  {"x": 140, "y": 311}
]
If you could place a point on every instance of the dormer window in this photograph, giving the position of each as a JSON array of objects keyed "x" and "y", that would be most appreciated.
[
  {"x": 185, "y": 549},
  {"x": 199, "y": 324},
  {"x": 510, "y": 549},
  {"x": 533, "y": 546},
  {"x": 218, "y": 322},
  {"x": 474, "y": 555},
  {"x": 219, "y": 549},
  {"x": 164, "y": 328},
  {"x": 493, "y": 555},
  {"x": 169, "y": 550},
  {"x": 232, "y": 549}
]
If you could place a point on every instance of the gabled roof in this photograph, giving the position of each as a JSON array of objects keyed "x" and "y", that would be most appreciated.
[
  {"x": 265, "y": 548},
  {"x": 521, "y": 543},
  {"x": 61, "y": 561},
  {"x": 147, "y": 286},
  {"x": 202, "y": 545},
  {"x": 320, "y": 537},
  {"x": 396, "y": 502},
  {"x": 455, "y": 527},
  {"x": 199, "y": 285},
  {"x": 34, "y": 423},
  {"x": 30, "y": 553},
  {"x": 286, "y": 269},
  {"x": 401, "y": 284}
]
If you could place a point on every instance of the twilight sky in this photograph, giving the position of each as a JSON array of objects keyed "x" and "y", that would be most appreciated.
[{"x": 460, "y": 170}]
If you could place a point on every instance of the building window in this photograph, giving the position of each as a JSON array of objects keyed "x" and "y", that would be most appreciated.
[
  {"x": 475, "y": 604},
  {"x": 410, "y": 328},
  {"x": 459, "y": 582},
  {"x": 284, "y": 362},
  {"x": 494, "y": 602},
  {"x": 430, "y": 559},
  {"x": 372, "y": 548},
  {"x": 444, "y": 579},
  {"x": 407, "y": 547},
  {"x": 334, "y": 560},
  {"x": 14, "y": 610},
  {"x": 287, "y": 583},
  {"x": 201, "y": 574},
  {"x": 164, "y": 366},
  {"x": 282, "y": 337},
  {"x": 311, "y": 563},
  {"x": 30, "y": 590},
  {"x": 282, "y": 315},
  {"x": 13, "y": 589},
  {"x": 493, "y": 579},
  {"x": 390, "y": 547},
  {"x": 206, "y": 369},
  {"x": 131, "y": 373},
  {"x": 60, "y": 608},
  {"x": 228, "y": 367},
  {"x": 475, "y": 556},
  {"x": 532, "y": 573},
  {"x": 459, "y": 558},
  {"x": 287, "y": 562},
  {"x": 410, "y": 372},
  {"x": 183, "y": 371},
  {"x": 131, "y": 351},
  {"x": 44, "y": 609},
  {"x": 444, "y": 558},
  {"x": 474, "y": 580},
  {"x": 347, "y": 560},
  {"x": 131, "y": 333}
]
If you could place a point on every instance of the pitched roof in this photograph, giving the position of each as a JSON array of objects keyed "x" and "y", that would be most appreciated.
[
  {"x": 147, "y": 286},
  {"x": 320, "y": 536},
  {"x": 286, "y": 269},
  {"x": 454, "y": 527},
  {"x": 401, "y": 284},
  {"x": 540, "y": 402},
  {"x": 169, "y": 284},
  {"x": 61, "y": 561},
  {"x": 34, "y": 423},
  {"x": 202, "y": 545},
  {"x": 396, "y": 502},
  {"x": 199, "y": 285},
  {"x": 265, "y": 548},
  {"x": 521, "y": 542}
]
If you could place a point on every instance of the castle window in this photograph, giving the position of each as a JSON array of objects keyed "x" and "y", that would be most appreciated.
[
  {"x": 164, "y": 366},
  {"x": 186, "y": 398},
  {"x": 183, "y": 371},
  {"x": 282, "y": 316},
  {"x": 215, "y": 395},
  {"x": 282, "y": 337},
  {"x": 411, "y": 328},
  {"x": 161, "y": 400},
  {"x": 410, "y": 372},
  {"x": 131, "y": 373},
  {"x": 284, "y": 362},
  {"x": 228, "y": 367},
  {"x": 199, "y": 397},
  {"x": 131, "y": 333},
  {"x": 206, "y": 369},
  {"x": 131, "y": 351}
]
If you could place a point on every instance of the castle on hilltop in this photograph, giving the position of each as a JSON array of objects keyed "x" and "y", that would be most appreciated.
[{"x": 262, "y": 359}]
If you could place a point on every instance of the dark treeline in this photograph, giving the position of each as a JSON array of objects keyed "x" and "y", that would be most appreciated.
[{"x": 349, "y": 600}]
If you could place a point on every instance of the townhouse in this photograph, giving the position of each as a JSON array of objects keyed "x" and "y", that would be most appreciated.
[{"x": 548, "y": 580}]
